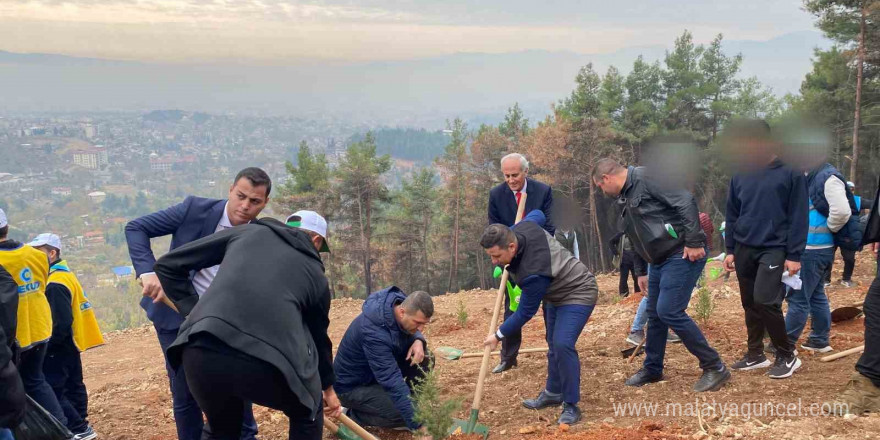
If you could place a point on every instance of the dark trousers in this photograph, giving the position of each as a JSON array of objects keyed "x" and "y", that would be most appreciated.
[
  {"x": 849, "y": 264},
  {"x": 810, "y": 301},
  {"x": 564, "y": 325},
  {"x": 869, "y": 363},
  {"x": 226, "y": 381},
  {"x": 31, "y": 370},
  {"x": 511, "y": 343},
  {"x": 670, "y": 285},
  {"x": 626, "y": 267},
  {"x": 187, "y": 413},
  {"x": 370, "y": 405},
  {"x": 63, "y": 370},
  {"x": 759, "y": 271}
]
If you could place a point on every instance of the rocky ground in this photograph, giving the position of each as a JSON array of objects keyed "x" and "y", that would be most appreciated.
[{"x": 129, "y": 397}]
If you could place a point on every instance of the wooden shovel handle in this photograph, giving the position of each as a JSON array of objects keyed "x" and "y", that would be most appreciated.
[
  {"x": 499, "y": 300},
  {"x": 496, "y": 353},
  {"x": 165, "y": 299},
  {"x": 330, "y": 425},
  {"x": 170, "y": 304},
  {"x": 350, "y": 424},
  {"x": 844, "y": 353}
]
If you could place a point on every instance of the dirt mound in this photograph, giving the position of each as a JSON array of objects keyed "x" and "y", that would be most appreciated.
[{"x": 129, "y": 397}]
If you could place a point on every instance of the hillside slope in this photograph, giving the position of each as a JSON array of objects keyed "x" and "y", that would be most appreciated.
[{"x": 129, "y": 396}]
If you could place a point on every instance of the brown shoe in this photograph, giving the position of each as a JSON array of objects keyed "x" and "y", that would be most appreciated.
[{"x": 859, "y": 396}]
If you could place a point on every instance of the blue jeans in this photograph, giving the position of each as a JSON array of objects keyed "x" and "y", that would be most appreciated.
[
  {"x": 187, "y": 413},
  {"x": 30, "y": 368},
  {"x": 564, "y": 325},
  {"x": 6, "y": 434},
  {"x": 641, "y": 316},
  {"x": 811, "y": 299},
  {"x": 670, "y": 285}
]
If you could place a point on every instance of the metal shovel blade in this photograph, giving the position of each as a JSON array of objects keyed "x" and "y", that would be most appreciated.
[
  {"x": 449, "y": 353},
  {"x": 346, "y": 434},
  {"x": 845, "y": 313},
  {"x": 469, "y": 426},
  {"x": 627, "y": 352}
]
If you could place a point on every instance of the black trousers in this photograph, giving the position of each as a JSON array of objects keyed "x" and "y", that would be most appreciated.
[
  {"x": 627, "y": 266},
  {"x": 849, "y": 264},
  {"x": 223, "y": 379},
  {"x": 511, "y": 343},
  {"x": 63, "y": 370},
  {"x": 759, "y": 271},
  {"x": 370, "y": 405},
  {"x": 869, "y": 363}
]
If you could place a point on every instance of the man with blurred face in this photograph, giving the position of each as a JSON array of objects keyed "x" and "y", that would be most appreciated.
[
  {"x": 503, "y": 202},
  {"x": 662, "y": 222},
  {"x": 381, "y": 356},
  {"x": 192, "y": 219},
  {"x": 826, "y": 213},
  {"x": 767, "y": 221}
]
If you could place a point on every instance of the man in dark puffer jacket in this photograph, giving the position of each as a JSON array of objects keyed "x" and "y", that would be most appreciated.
[{"x": 381, "y": 355}]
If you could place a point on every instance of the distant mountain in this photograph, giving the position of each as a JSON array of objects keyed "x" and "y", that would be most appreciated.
[{"x": 420, "y": 92}]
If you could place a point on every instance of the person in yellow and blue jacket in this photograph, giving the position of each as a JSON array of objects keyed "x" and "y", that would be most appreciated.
[
  {"x": 74, "y": 329},
  {"x": 30, "y": 271}
]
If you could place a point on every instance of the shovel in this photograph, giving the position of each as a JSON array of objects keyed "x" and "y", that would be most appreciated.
[
  {"x": 350, "y": 430},
  {"x": 846, "y": 313},
  {"x": 341, "y": 432},
  {"x": 471, "y": 426},
  {"x": 454, "y": 354}
]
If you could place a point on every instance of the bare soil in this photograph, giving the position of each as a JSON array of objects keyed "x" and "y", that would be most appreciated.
[{"x": 129, "y": 397}]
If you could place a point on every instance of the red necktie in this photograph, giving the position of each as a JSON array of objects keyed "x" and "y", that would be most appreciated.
[{"x": 518, "y": 197}]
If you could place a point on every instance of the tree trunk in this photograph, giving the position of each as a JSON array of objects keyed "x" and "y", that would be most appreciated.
[
  {"x": 427, "y": 265},
  {"x": 453, "y": 270},
  {"x": 365, "y": 238},
  {"x": 594, "y": 219},
  {"x": 860, "y": 66}
]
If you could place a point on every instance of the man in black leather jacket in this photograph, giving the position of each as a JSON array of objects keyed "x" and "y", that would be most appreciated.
[{"x": 662, "y": 222}]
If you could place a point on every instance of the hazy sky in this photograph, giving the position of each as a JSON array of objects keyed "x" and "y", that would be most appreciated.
[{"x": 279, "y": 30}]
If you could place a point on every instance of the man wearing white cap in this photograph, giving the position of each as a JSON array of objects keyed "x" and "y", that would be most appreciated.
[
  {"x": 74, "y": 329},
  {"x": 259, "y": 332},
  {"x": 313, "y": 224},
  {"x": 30, "y": 270}
]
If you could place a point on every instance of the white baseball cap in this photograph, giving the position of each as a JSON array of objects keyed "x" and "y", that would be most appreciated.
[
  {"x": 3, "y": 220},
  {"x": 310, "y": 221},
  {"x": 46, "y": 239}
]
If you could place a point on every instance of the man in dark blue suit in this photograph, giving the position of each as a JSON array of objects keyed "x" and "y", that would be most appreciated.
[
  {"x": 194, "y": 218},
  {"x": 503, "y": 201}
]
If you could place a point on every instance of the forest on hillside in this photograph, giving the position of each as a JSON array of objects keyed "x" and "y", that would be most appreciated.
[{"x": 424, "y": 235}]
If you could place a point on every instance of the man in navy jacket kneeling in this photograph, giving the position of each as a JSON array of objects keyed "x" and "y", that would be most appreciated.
[{"x": 380, "y": 357}]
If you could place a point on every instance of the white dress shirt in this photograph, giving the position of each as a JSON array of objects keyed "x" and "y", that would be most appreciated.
[{"x": 203, "y": 278}]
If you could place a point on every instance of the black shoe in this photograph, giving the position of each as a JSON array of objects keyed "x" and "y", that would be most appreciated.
[
  {"x": 571, "y": 414},
  {"x": 503, "y": 366},
  {"x": 751, "y": 362},
  {"x": 544, "y": 400},
  {"x": 712, "y": 380},
  {"x": 642, "y": 378},
  {"x": 784, "y": 366}
]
